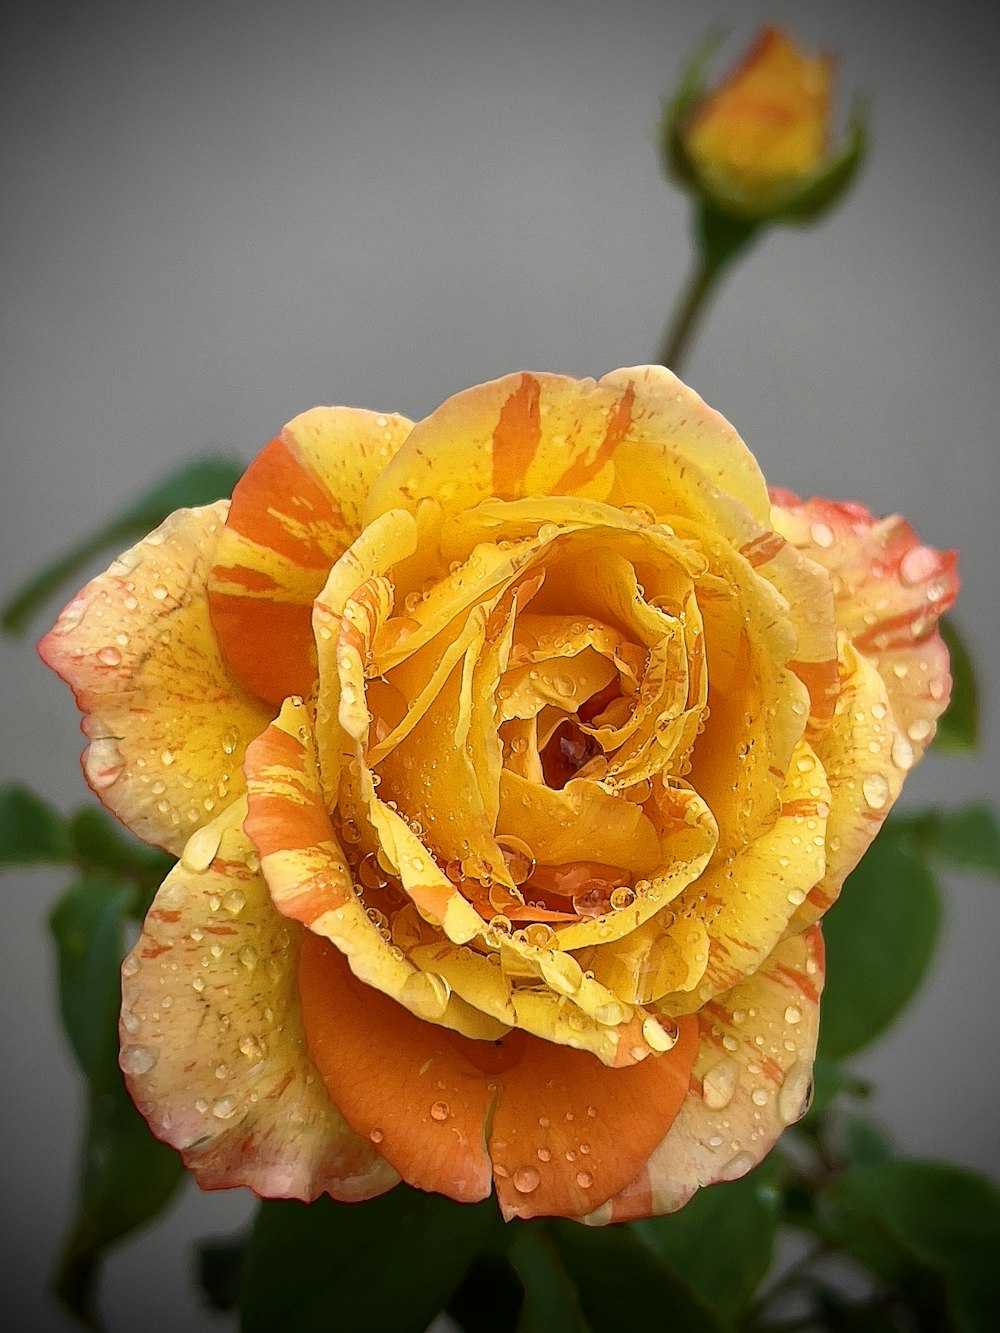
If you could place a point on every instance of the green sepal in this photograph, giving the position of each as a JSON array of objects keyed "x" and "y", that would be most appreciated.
[{"x": 196, "y": 483}]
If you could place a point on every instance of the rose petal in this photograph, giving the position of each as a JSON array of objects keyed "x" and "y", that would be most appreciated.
[
  {"x": 751, "y": 1079},
  {"x": 167, "y": 723},
  {"x": 294, "y": 511},
  {"x": 213, "y": 1048}
]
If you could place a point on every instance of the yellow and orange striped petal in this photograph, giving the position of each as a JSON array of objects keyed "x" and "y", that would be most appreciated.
[
  {"x": 167, "y": 723},
  {"x": 751, "y": 1079},
  {"x": 294, "y": 511},
  {"x": 213, "y": 1048}
]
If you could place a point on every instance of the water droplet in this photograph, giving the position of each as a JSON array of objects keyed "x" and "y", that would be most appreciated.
[
  {"x": 796, "y": 1093},
  {"x": 737, "y": 1166},
  {"x": 376, "y": 1136},
  {"x": 719, "y": 1084},
  {"x": 251, "y": 1047},
  {"x": 919, "y": 563},
  {"x": 759, "y": 1096},
  {"x": 793, "y": 1014},
  {"x": 440, "y": 1111},
  {"x": 201, "y": 848},
  {"x": 657, "y": 1036},
  {"x": 160, "y": 592},
  {"x": 518, "y": 856},
  {"x": 876, "y": 790},
  {"x": 822, "y": 534},
  {"x": 109, "y": 657},
  {"x": 137, "y": 1059},
  {"x": 198, "y": 984},
  {"x": 919, "y": 729},
  {"x": 902, "y": 752},
  {"x": 167, "y": 758},
  {"x": 526, "y": 1179},
  {"x": 543, "y": 1155},
  {"x": 248, "y": 957},
  {"x": 225, "y": 1108},
  {"x": 584, "y": 1179},
  {"x": 130, "y": 966},
  {"x": 622, "y": 897},
  {"x": 234, "y": 901}
]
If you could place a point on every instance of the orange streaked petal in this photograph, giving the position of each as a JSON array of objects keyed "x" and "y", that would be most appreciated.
[
  {"x": 751, "y": 1079},
  {"x": 167, "y": 723},
  {"x": 568, "y": 1133},
  {"x": 294, "y": 511},
  {"x": 400, "y": 1083},
  {"x": 213, "y": 1047}
]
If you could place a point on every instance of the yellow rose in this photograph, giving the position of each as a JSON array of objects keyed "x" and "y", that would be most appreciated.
[
  {"x": 511, "y": 758},
  {"x": 757, "y": 145}
]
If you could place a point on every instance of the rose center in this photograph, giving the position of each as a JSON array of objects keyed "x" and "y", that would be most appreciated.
[{"x": 569, "y": 748}]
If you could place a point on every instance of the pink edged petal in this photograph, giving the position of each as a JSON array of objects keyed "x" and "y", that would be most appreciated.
[
  {"x": 889, "y": 592},
  {"x": 213, "y": 1048},
  {"x": 168, "y": 725},
  {"x": 751, "y": 1079}
]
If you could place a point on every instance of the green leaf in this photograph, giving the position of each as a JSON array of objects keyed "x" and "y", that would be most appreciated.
[
  {"x": 390, "y": 1263},
  {"x": 488, "y": 1273},
  {"x": 88, "y": 925},
  {"x": 958, "y": 729},
  {"x": 739, "y": 1220},
  {"x": 879, "y": 936},
  {"x": 550, "y": 1299},
  {"x": 968, "y": 837},
  {"x": 614, "y": 1271},
  {"x": 934, "y": 1217},
  {"x": 101, "y": 843},
  {"x": 196, "y": 483},
  {"x": 31, "y": 831},
  {"x": 127, "y": 1176}
]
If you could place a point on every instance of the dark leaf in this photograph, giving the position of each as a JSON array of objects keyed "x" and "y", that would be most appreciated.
[
  {"x": 968, "y": 838},
  {"x": 88, "y": 925},
  {"x": 31, "y": 831},
  {"x": 100, "y": 842},
  {"x": 934, "y": 1220},
  {"x": 550, "y": 1299},
  {"x": 488, "y": 1297},
  {"x": 738, "y": 1220},
  {"x": 958, "y": 729},
  {"x": 126, "y": 1175},
  {"x": 879, "y": 939},
  {"x": 621, "y": 1284},
  {"x": 195, "y": 483},
  {"x": 390, "y": 1263}
]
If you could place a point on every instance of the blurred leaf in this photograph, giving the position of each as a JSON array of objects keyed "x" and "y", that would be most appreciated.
[
  {"x": 390, "y": 1263},
  {"x": 220, "y": 1262},
  {"x": 738, "y": 1220},
  {"x": 958, "y": 729},
  {"x": 126, "y": 1176},
  {"x": 614, "y": 1271},
  {"x": 488, "y": 1297},
  {"x": 88, "y": 925},
  {"x": 101, "y": 842},
  {"x": 968, "y": 837},
  {"x": 930, "y": 1219},
  {"x": 864, "y": 1141},
  {"x": 879, "y": 936},
  {"x": 550, "y": 1300},
  {"x": 196, "y": 483},
  {"x": 31, "y": 831}
]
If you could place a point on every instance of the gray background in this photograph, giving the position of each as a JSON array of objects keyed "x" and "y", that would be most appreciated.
[{"x": 217, "y": 215}]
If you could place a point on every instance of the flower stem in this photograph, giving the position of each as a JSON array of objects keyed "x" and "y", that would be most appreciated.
[{"x": 694, "y": 300}]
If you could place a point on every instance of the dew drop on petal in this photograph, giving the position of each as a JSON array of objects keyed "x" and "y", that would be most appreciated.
[
  {"x": 201, "y": 848},
  {"x": 137, "y": 1059},
  {"x": 737, "y": 1166},
  {"x": 440, "y": 1111},
  {"x": 526, "y": 1179},
  {"x": 876, "y": 790},
  {"x": 376, "y": 1136},
  {"x": 225, "y": 1108},
  {"x": 796, "y": 1093},
  {"x": 719, "y": 1084},
  {"x": 793, "y": 1014},
  {"x": 584, "y": 1179}
]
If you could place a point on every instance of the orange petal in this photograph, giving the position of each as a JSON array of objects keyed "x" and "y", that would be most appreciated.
[
  {"x": 890, "y": 591},
  {"x": 402, "y": 1084},
  {"x": 568, "y": 1133},
  {"x": 294, "y": 511},
  {"x": 213, "y": 1048},
  {"x": 751, "y": 1079},
  {"x": 167, "y": 724}
]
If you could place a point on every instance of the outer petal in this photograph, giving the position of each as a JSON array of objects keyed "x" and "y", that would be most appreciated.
[
  {"x": 751, "y": 1079},
  {"x": 168, "y": 725},
  {"x": 889, "y": 593},
  {"x": 213, "y": 1048},
  {"x": 550, "y": 435},
  {"x": 295, "y": 510}
]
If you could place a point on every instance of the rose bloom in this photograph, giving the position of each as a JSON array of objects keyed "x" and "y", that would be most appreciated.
[
  {"x": 511, "y": 758},
  {"x": 762, "y": 134}
]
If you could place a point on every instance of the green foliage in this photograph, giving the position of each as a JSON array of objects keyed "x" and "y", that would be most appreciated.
[
  {"x": 929, "y": 1230},
  {"x": 967, "y": 838},
  {"x": 880, "y": 936},
  {"x": 958, "y": 729},
  {"x": 390, "y": 1263},
  {"x": 126, "y": 1177},
  {"x": 739, "y": 1220},
  {"x": 196, "y": 483},
  {"x": 550, "y": 1302},
  {"x": 31, "y": 831}
]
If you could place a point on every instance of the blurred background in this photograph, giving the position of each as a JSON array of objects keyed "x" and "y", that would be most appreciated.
[{"x": 216, "y": 215}]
